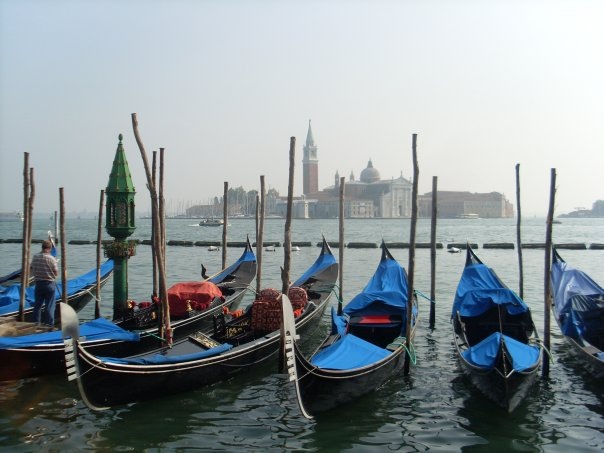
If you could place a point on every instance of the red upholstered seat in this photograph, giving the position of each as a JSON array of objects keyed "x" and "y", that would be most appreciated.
[
  {"x": 266, "y": 311},
  {"x": 297, "y": 297}
]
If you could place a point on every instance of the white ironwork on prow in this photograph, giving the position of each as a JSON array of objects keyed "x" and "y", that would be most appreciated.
[
  {"x": 290, "y": 337},
  {"x": 72, "y": 372}
]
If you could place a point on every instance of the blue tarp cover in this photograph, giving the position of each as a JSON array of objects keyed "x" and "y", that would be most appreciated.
[
  {"x": 349, "y": 352},
  {"x": 479, "y": 289},
  {"x": 159, "y": 359},
  {"x": 388, "y": 285},
  {"x": 323, "y": 261},
  {"x": 247, "y": 256},
  {"x": 9, "y": 299},
  {"x": 484, "y": 354},
  {"x": 568, "y": 284},
  {"x": 96, "y": 329}
]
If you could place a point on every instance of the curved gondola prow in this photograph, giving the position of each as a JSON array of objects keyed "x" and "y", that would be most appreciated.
[
  {"x": 556, "y": 256},
  {"x": 288, "y": 344},
  {"x": 386, "y": 255},
  {"x": 325, "y": 247},
  {"x": 70, "y": 328},
  {"x": 471, "y": 257}
]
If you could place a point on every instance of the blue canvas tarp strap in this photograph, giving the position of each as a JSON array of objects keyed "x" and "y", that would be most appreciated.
[{"x": 96, "y": 329}]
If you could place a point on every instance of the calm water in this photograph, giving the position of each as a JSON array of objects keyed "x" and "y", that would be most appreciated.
[{"x": 434, "y": 408}]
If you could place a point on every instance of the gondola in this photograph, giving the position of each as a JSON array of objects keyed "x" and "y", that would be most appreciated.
[
  {"x": 495, "y": 339},
  {"x": 365, "y": 348},
  {"x": 80, "y": 291},
  {"x": 14, "y": 278},
  {"x": 579, "y": 311},
  {"x": 202, "y": 358},
  {"x": 43, "y": 354}
]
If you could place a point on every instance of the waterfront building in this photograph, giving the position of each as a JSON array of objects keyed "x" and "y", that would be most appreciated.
[{"x": 453, "y": 204}]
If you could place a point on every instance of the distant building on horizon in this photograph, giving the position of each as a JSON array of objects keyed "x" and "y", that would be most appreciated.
[{"x": 453, "y": 204}]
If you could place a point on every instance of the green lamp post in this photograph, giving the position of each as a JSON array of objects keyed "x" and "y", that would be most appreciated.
[{"x": 119, "y": 222}]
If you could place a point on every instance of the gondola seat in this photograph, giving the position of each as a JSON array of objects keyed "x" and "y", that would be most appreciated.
[{"x": 266, "y": 311}]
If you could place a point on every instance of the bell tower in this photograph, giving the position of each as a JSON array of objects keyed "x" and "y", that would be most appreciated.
[{"x": 310, "y": 165}]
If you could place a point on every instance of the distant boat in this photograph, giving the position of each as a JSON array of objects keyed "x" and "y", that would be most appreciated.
[
  {"x": 454, "y": 250},
  {"x": 469, "y": 215},
  {"x": 211, "y": 222},
  {"x": 213, "y": 248},
  {"x": 269, "y": 248},
  {"x": 295, "y": 248},
  {"x": 15, "y": 216}
]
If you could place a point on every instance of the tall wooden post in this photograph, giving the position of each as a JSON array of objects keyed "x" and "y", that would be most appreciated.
[
  {"x": 518, "y": 236},
  {"x": 99, "y": 244},
  {"x": 225, "y": 220},
  {"x": 341, "y": 246},
  {"x": 63, "y": 246},
  {"x": 26, "y": 242},
  {"x": 411, "y": 269},
  {"x": 287, "y": 241},
  {"x": 547, "y": 282},
  {"x": 153, "y": 229},
  {"x": 433, "y": 252},
  {"x": 165, "y": 328},
  {"x": 260, "y": 240}
]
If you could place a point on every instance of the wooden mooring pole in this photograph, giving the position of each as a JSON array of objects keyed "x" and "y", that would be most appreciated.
[
  {"x": 63, "y": 245},
  {"x": 225, "y": 222},
  {"x": 99, "y": 240},
  {"x": 411, "y": 268},
  {"x": 518, "y": 236},
  {"x": 260, "y": 238},
  {"x": 165, "y": 328},
  {"x": 287, "y": 240},
  {"x": 341, "y": 247},
  {"x": 547, "y": 282},
  {"x": 26, "y": 243},
  {"x": 154, "y": 229},
  {"x": 433, "y": 252}
]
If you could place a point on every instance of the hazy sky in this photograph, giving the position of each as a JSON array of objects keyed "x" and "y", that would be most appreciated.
[{"x": 223, "y": 84}]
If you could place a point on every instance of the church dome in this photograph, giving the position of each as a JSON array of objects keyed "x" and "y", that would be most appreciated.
[{"x": 370, "y": 174}]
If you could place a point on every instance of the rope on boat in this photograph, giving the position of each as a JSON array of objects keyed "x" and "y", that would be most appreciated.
[
  {"x": 418, "y": 292},
  {"x": 547, "y": 351}
]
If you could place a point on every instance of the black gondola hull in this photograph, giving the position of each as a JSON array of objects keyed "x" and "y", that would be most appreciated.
[
  {"x": 108, "y": 384},
  {"x": 47, "y": 359},
  {"x": 322, "y": 390}
]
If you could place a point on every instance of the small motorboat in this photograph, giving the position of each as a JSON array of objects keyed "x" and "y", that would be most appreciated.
[
  {"x": 454, "y": 250},
  {"x": 211, "y": 222}
]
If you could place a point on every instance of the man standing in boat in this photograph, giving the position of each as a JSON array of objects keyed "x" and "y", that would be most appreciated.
[{"x": 45, "y": 270}]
